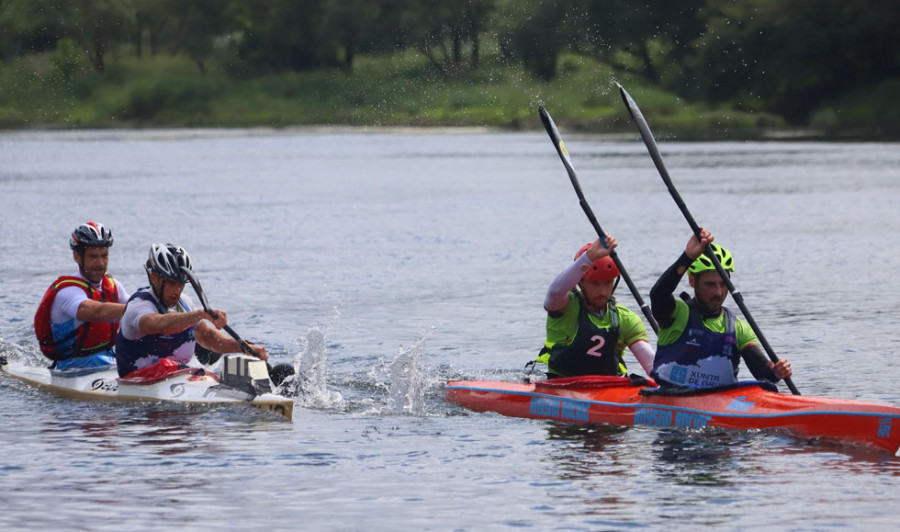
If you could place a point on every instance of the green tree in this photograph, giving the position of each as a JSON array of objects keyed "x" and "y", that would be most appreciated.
[
  {"x": 96, "y": 25},
  {"x": 151, "y": 19},
  {"x": 443, "y": 31},
  {"x": 28, "y": 27},
  {"x": 649, "y": 37},
  {"x": 533, "y": 32},
  {"x": 790, "y": 56},
  {"x": 281, "y": 35},
  {"x": 352, "y": 22}
]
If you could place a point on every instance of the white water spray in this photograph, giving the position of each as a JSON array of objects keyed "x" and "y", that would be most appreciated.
[
  {"x": 310, "y": 369},
  {"x": 407, "y": 389}
]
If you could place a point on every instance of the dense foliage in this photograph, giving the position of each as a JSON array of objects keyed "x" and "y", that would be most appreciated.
[{"x": 803, "y": 60}]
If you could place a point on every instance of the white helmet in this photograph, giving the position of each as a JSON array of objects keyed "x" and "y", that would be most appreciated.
[{"x": 168, "y": 261}]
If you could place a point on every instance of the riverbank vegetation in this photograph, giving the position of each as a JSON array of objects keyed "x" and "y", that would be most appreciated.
[{"x": 701, "y": 69}]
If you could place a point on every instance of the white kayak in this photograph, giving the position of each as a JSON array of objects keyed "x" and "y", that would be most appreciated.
[{"x": 245, "y": 381}]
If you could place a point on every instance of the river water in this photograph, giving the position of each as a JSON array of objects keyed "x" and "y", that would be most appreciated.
[{"x": 387, "y": 263}]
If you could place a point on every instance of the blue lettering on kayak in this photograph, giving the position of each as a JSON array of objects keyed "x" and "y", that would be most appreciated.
[
  {"x": 542, "y": 406},
  {"x": 559, "y": 409},
  {"x": 653, "y": 417},
  {"x": 658, "y": 417},
  {"x": 693, "y": 421},
  {"x": 740, "y": 404},
  {"x": 574, "y": 410},
  {"x": 884, "y": 427}
]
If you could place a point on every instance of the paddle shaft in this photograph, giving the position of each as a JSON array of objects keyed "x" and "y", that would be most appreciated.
[
  {"x": 246, "y": 347},
  {"x": 564, "y": 155},
  {"x": 644, "y": 130}
]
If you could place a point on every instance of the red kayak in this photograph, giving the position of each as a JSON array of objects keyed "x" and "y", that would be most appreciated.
[{"x": 621, "y": 401}]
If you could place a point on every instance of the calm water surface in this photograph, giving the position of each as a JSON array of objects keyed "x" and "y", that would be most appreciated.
[{"x": 388, "y": 263}]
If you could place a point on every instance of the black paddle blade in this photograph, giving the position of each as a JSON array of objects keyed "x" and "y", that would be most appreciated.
[
  {"x": 555, "y": 136},
  {"x": 197, "y": 288}
]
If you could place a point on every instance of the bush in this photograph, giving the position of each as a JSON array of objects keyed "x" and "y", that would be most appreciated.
[
  {"x": 165, "y": 100},
  {"x": 872, "y": 111}
]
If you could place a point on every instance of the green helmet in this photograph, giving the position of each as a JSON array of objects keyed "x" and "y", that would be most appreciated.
[{"x": 703, "y": 264}]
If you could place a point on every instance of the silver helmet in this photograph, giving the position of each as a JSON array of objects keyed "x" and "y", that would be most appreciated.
[{"x": 168, "y": 261}]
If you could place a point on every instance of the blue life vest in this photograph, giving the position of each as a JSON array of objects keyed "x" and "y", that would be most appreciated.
[
  {"x": 700, "y": 358},
  {"x": 152, "y": 346},
  {"x": 593, "y": 350}
]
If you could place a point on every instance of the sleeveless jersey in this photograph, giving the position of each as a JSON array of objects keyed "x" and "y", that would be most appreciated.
[
  {"x": 146, "y": 350},
  {"x": 594, "y": 349},
  {"x": 700, "y": 357}
]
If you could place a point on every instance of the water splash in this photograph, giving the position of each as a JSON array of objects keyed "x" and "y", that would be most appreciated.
[
  {"x": 308, "y": 383},
  {"x": 407, "y": 387},
  {"x": 27, "y": 355}
]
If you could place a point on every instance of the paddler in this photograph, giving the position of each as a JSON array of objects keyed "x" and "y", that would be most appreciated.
[
  {"x": 78, "y": 316},
  {"x": 587, "y": 330},
  {"x": 160, "y": 325},
  {"x": 701, "y": 342}
]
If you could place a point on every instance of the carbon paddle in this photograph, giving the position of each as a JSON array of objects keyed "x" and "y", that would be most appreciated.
[
  {"x": 644, "y": 129},
  {"x": 197, "y": 288},
  {"x": 567, "y": 162}
]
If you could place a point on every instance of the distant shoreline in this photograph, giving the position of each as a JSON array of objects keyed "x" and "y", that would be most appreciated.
[{"x": 786, "y": 134}]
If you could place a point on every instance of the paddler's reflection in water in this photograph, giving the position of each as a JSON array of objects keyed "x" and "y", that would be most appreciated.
[
  {"x": 681, "y": 457},
  {"x": 166, "y": 429},
  {"x": 589, "y": 450},
  {"x": 695, "y": 458}
]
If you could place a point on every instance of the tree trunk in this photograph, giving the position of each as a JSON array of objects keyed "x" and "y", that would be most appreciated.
[
  {"x": 349, "y": 53},
  {"x": 650, "y": 72},
  {"x": 99, "y": 50},
  {"x": 456, "y": 40},
  {"x": 139, "y": 41}
]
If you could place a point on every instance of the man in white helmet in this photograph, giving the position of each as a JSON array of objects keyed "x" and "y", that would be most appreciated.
[{"x": 161, "y": 325}]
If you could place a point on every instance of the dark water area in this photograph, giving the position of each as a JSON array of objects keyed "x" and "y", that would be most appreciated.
[{"x": 387, "y": 263}]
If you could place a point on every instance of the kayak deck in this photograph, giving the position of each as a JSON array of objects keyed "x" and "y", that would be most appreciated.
[
  {"x": 617, "y": 401},
  {"x": 182, "y": 387}
]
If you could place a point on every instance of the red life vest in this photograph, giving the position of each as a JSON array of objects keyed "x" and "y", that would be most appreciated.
[{"x": 90, "y": 337}]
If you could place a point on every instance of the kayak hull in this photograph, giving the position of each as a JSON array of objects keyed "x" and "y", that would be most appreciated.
[
  {"x": 185, "y": 386},
  {"x": 613, "y": 400}
]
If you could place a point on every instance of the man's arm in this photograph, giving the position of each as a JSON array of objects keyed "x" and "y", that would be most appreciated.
[
  {"x": 173, "y": 322},
  {"x": 218, "y": 341},
  {"x": 557, "y": 298},
  {"x": 90, "y": 310},
  {"x": 662, "y": 302},
  {"x": 758, "y": 364},
  {"x": 215, "y": 340},
  {"x": 643, "y": 352}
]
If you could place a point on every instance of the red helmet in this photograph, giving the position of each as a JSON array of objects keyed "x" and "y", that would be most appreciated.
[{"x": 603, "y": 269}]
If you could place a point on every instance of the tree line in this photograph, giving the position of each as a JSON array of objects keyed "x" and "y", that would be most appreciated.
[{"x": 785, "y": 56}]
